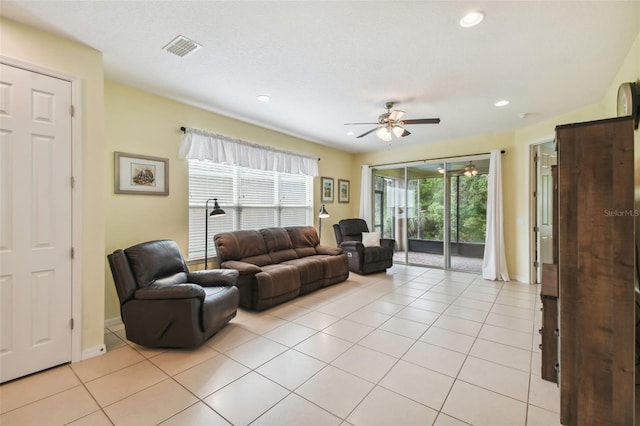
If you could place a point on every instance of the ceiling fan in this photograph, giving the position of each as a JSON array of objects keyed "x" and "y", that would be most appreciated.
[{"x": 389, "y": 124}]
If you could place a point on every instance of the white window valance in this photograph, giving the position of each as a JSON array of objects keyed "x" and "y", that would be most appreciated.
[{"x": 201, "y": 145}]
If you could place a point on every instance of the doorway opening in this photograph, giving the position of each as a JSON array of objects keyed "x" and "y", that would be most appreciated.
[{"x": 543, "y": 159}]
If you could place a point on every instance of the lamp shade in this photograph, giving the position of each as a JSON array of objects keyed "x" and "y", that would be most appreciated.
[
  {"x": 216, "y": 211},
  {"x": 323, "y": 213}
]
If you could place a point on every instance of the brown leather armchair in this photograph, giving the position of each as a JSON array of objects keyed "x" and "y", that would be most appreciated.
[
  {"x": 162, "y": 304},
  {"x": 362, "y": 260}
]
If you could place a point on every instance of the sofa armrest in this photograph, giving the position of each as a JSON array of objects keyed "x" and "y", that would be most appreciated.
[
  {"x": 330, "y": 250},
  {"x": 176, "y": 291},
  {"x": 352, "y": 246},
  {"x": 243, "y": 268},
  {"x": 387, "y": 242},
  {"x": 214, "y": 277}
]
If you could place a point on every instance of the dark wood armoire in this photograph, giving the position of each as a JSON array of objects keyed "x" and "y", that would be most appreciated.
[{"x": 596, "y": 272}]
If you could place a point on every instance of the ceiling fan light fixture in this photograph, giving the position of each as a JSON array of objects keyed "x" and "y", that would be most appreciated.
[
  {"x": 471, "y": 19},
  {"x": 395, "y": 115},
  {"x": 384, "y": 134},
  {"x": 398, "y": 131},
  {"x": 470, "y": 170}
]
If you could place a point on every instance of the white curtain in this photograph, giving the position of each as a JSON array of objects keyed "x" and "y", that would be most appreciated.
[
  {"x": 494, "y": 263},
  {"x": 365, "y": 196},
  {"x": 200, "y": 145}
]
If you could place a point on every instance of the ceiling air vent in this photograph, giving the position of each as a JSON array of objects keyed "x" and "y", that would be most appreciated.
[{"x": 182, "y": 46}]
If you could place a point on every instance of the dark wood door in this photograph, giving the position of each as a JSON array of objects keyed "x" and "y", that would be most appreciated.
[{"x": 596, "y": 272}]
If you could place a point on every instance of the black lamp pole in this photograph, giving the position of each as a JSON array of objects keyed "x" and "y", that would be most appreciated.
[
  {"x": 216, "y": 211},
  {"x": 323, "y": 213}
]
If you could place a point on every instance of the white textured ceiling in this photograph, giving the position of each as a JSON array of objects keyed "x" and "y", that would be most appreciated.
[{"x": 333, "y": 62}]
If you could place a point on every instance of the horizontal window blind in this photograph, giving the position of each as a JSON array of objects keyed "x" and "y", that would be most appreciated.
[{"x": 252, "y": 199}]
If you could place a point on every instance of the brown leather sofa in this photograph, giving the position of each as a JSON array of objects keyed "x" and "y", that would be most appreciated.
[
  {"x": 363, "y": 260},
  {"x": 279, "y": 264},
  {"x": 162, "y": 304}
]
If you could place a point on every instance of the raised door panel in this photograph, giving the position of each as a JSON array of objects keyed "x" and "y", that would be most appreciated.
[{"x": 35, "y": 216}]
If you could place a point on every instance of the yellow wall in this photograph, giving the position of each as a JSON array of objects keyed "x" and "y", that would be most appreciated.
[
  {"x": 22, "y": 43},
  {"x": 141, "y": 123},
  {"x": 515, "y": 162},
  {"x": 119, "y": 118}
]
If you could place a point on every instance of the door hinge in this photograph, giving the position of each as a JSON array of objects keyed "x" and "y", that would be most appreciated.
[
  {"x": 536, "y": 264},
  {"x": 71, "y": 323},
  {"x": 73, "y": 253},
  {"x": 535, "y": 158},
  {"x": 73, "y": 182},
  {"x": 72, "y": 110},
  {"x": 536, "y": 229}
]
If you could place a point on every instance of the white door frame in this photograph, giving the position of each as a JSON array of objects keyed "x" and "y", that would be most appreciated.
[
  {"x": 533, "y": 206},
  {"x": 76, "y": 195}
]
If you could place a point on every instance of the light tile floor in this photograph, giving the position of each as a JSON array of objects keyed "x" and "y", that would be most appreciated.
[{"x": 412, "y": 346}]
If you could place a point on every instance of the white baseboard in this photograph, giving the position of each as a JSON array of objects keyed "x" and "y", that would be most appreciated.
[
  {"x": 112, "y": 322},
  {"x": 93, "y": 352},
  {"x": 521, "y": 279}
]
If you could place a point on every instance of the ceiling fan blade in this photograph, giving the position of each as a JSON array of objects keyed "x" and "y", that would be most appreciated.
[
  {"x": 352, "y": 124},
  {"x": 395, "y": 115},
  {"x": 405, "y": 133},
  {"x": 370, "y": 131},
  {"x": 422, "y": 121}
]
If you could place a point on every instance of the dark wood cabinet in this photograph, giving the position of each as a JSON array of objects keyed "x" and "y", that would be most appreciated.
[
  {"x": 596, "y": 271},
  {"x": 549, "y": 330}
]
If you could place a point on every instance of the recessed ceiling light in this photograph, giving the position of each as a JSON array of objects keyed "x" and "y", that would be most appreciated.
[
  {"x": 263, "y": 98},
  {"x": 472, "y": 19},
  {"x": 350, "y": 133},
  {"x": 502, "y": 103}
]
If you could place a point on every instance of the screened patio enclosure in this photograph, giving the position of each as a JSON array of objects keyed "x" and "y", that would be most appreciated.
[{"x": 436, "y": 213}]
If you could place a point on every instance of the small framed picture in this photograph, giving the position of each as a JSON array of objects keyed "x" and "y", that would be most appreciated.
[
  {"x": 141, "y": 174},
  {"x": 343, "y": 191},
  {"x": 326, "y": 188}
]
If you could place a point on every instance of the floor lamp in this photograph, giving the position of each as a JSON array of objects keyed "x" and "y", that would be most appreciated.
[
  {"x": 216, "y": 211},
  {"x": 322, "y": 214}
]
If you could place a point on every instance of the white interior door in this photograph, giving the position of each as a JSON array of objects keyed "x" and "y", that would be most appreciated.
[
  {"x": 35, "y": 222},
  {"x": 547, "y": 158}
]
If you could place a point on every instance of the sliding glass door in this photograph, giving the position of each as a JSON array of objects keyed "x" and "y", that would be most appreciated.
[
  {"x": 434, "y": 211},
  {"x": 467, "y": 213}
]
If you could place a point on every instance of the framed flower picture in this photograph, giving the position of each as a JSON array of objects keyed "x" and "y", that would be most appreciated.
[
  {"x": 343, "y": 191},
  {"x": 326, "y": 189},
  {"x": 141, "y": 174}
]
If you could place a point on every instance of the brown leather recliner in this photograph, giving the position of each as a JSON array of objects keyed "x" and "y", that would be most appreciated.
[
  {"x": 162, "y": 304},
  {"x": 362, "y": 260}
]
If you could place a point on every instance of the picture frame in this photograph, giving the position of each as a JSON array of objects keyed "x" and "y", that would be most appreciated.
[
  {"x": 141, "y": 174},
  {"x": 326, "y": 189},
  {"x": 344, "y": 190}
]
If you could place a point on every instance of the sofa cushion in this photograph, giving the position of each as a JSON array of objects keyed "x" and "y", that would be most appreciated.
[
  {"x": 304, "y": 239},
  {"x": 311, "y": 273},
  {"x": 273, "y": 282},
  {"x": 260, "y": 260},
  {"x": 239, "y": 245},
  {"x": 278, "y": 244}
]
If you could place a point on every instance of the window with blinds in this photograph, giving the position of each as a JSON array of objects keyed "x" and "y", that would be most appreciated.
[{"x": 252, "y": 199}]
